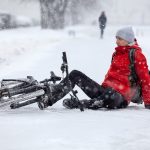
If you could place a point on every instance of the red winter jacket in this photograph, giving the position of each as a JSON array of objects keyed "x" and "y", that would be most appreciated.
[{"x": 118, "y": 74}]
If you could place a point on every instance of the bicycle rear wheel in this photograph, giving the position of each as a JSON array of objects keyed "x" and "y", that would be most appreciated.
[{"x": 21, "y": 98}]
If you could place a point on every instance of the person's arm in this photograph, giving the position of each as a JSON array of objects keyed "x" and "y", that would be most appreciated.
[{"x": 142, "y": 71}]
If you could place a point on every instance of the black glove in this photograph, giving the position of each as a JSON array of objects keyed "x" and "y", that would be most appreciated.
[{"x": 147, "y": 106}]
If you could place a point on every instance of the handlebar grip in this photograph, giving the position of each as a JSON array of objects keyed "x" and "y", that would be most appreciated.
[{"x": 64, "y": 58}]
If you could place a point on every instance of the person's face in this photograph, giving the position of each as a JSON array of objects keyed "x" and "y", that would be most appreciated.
[{"x": 121, "y": 42}]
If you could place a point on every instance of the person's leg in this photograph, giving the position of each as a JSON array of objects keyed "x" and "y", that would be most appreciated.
[
  {"x": 104, "y": 97},
  {"x": 113, "y": 99},
  {"x": 102, "y": 32},
  {"x": 91, "y": 88},
  {"x": 101, "y": 35}
]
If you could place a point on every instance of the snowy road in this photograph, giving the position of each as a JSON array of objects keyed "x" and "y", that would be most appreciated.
[{"x": 57, "y": 128}]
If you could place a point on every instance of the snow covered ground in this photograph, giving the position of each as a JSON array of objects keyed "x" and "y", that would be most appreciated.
[{"x": 31, "y": 51}]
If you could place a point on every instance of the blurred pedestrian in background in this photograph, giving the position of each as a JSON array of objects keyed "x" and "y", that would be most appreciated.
[{"x": 102, "y": 23}]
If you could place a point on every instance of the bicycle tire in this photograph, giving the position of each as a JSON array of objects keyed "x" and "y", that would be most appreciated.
[{"x": 21, "y": 98}]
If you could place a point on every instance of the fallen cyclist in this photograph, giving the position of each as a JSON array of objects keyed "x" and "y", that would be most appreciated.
[{"x": 119, "y": 86}]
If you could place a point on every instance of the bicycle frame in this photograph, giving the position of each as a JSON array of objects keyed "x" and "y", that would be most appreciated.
[{"x": 21, "y": 92}]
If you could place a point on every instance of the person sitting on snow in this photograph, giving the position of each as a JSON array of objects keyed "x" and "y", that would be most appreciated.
[{"x": 117, "y": 89}]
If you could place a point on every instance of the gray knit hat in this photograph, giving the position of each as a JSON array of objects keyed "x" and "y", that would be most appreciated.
[{"x": 126, "y": 34}]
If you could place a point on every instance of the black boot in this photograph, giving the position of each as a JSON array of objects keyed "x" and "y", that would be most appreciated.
[
  {"x": 89, "y": 104},
  {"x": 70, "y": 104}
]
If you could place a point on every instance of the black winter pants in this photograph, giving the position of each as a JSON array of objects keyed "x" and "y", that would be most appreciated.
[{"x": 110, "y": 97}]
